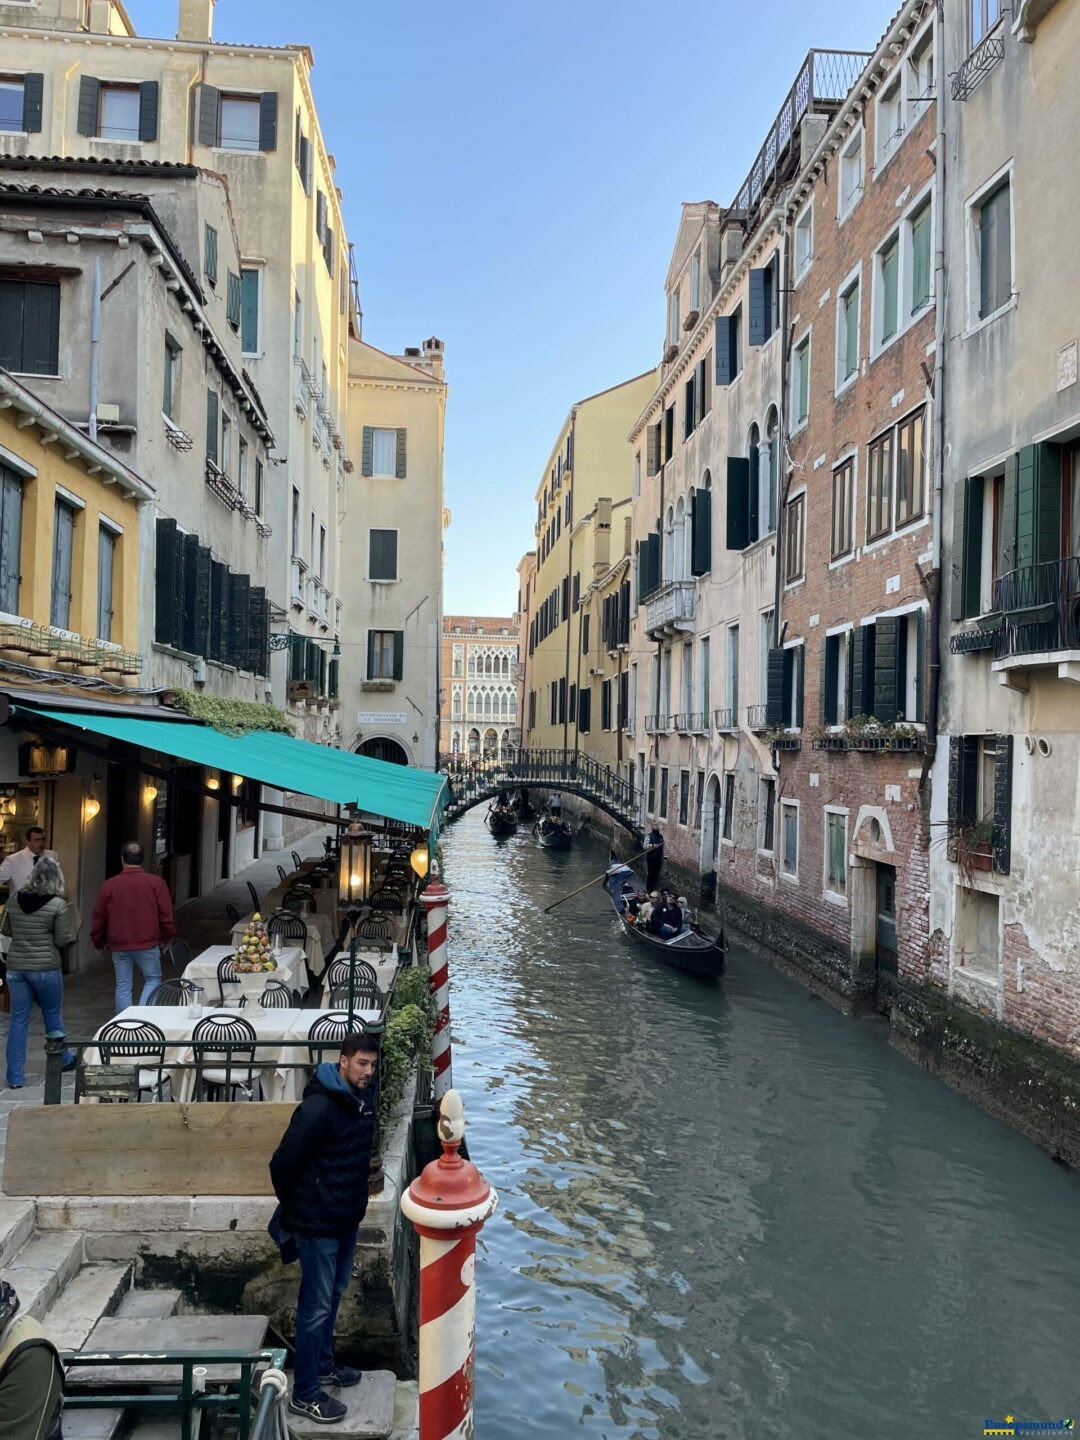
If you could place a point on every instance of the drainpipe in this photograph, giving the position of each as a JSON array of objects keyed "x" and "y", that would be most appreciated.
[
  {"x": 577, "y": 681},
  {"x": 781, "y": 427},
  {"x": 95, "y": 348}
]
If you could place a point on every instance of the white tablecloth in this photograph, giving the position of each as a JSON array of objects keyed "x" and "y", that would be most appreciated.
[
  {"x": 203, "y": 970},
  {"x": 384, "y": 964},
  {"x": 320, "y": 933}
]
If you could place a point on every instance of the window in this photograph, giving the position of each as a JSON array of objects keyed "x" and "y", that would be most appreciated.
[
  {"x": 29, "y": 327},
  {"x": 728, "y": 342},
  {"x": 651, "y": 802},
  {"x": 984, "y": 16},
  {"x": 637, "y": 475},
  {"x": 789, "y": 838},
  {"x": 732, "y": 673},
  {"x": 238, "y": 122},
  {"x": 382, "y": 554},
  {"x": 887, "y": 664},
  {"x": 728, "y": 832},
  {"x": 795, "y": 538},
  {"x": 766, "y": 814},
  {"x": 920, "y": 75},
  {"x": 63, "y": 548},
  {"x": 879, "y": 486},
  {"x": 695, "y": 281},
  {"x": 847, "y": 334},
  {"x": 992, "y": 235},
  {"x": 980, "y": 789},
  {"x": 298, "y": 325},
  {"x": 385, "y": 654},
  {"x": 843, "y": 509},
  {"x": 605, "y": 705},
  {"x": 704, "y": 682},
  {"x": 11, "y": 501},
  {"x": 836, "y": 852},
  {"x": 800, "y": 386},
  {"x": 784, "y": 687},
  {"x": 851, "y": 172},
  {"x": 258, "y": 487},
  {"x": 119, "y": 113},
  {"x": 234, "y": 300},
  {"x": 242, "y": 467},
  {"x": 584, "y": 706},
  {"x": 226, "y": 444},
  {"x": 920, "y": 248},
  {"x": 249, "y": 311},
  {"x": 684, "y": 797},
  {"x": 663, "y": 792},
  {"x": 210, "y": 247},
  {"x": 888, "y": 267},
  {"x": 106, "y": 568},
  {"x": 673, "y": 319},
  {"x": 322, "y": 552},
  {"x": 910, "y": 469},
  {"x": 687, "y": 670},
  {"x": 764, "y": 302},
  {"x": 383, "y": 453},
  {"x": 804, "y": 242},
  {"x": 20, "y": 103},
  {"x": 212, "y": 407},
  {"x": 890, "y": 121},
  {"x": 295, "y": 524},
  {"x": 170, "y": 400}
]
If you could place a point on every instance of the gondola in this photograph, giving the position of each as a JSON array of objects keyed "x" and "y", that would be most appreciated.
[
  {"x": 522, "y": 806},
  {"x": 501, "y": 820},
  {"x": 552, "y": 833},
  {"x": 692, "y": 949}
]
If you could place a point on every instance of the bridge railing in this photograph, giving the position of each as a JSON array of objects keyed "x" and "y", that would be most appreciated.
[{"x": 473, "y": 777}]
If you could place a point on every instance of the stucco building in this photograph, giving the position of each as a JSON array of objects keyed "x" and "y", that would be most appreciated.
[{"x": 479, "y": 677}]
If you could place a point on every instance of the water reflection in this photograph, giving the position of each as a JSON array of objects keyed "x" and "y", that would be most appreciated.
[{"x": 726, "y": 1210}]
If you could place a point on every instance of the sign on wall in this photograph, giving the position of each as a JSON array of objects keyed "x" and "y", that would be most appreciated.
[{"x": 382, "y": 717}]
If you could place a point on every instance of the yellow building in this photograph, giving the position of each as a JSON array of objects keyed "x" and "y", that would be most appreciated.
[
  {"x": 600, "y": 635},
  {"x": 587, "y": 475}
]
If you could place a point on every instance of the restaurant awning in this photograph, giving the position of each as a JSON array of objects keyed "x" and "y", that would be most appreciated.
[{"x": 414, "y": 797}]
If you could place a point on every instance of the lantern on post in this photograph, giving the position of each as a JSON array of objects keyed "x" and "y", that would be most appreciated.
[{"x": 354, "y": 876}]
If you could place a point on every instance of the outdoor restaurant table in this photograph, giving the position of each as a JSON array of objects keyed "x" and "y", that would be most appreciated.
[
  {"x": 320, "y": 934},
  {"x": 326, "y": 900},
  {"x": 382, "y": 962},
  {"x": 203, "y": 970}
]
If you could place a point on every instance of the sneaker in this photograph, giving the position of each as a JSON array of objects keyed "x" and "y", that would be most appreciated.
[
  {"x": 324, "y": 1409},
  {"x": 342, "y": 1377}
]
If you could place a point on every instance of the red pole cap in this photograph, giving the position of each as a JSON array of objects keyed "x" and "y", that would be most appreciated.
[
  {"x": 451, "y": 1182},
  {"x": 434, "y": 894}
]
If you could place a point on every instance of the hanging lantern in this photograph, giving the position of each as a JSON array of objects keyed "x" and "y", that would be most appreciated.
[
  {"x": 354, "y": 875},
  {"x": 91, "y": 807},
  {"x": 151, "y": 792},
  {"x": 420, "y": 860}
]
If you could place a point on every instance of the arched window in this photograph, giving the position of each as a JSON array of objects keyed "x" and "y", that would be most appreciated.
[
  {"x": 679, "y": 541},
  {"x": 504, "y": 707},
  {"x": 669, "y": 547},
  {"x": 753, "y": 452},
  {"x": 506, "y": 666},
  {"x": 771, "y": 463},
  {"x": 487, "y": 705},
  {"x": 472, "y": 665}
]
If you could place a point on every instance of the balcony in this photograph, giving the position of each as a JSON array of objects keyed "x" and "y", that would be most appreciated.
[
  {"x": 657, "y": 724},
  {"x": 726, "y": 718},
  {"x": 671, "y": 610},
  {"x": 296, "y": 592},
  {"x": 756, "y": 720},
  {"x": 1035, "y": 620}
]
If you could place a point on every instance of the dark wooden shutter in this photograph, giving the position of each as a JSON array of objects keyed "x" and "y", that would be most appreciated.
[
  {"x": 210, "y": 254},
  {"x": 234, "y": 300},
  {"x": 399, "y": 457},
  {"x": 760, "y": 304},
  {"x": 585, "y": 632},
  {"x": 207, "y": 106},
  {"x": 652, "y": 546},
  {"x": 738, "y": 502},
  {"x": 886, "y": 668},
  {"x": 370, "y": 671},
  {"x": 212, "y": 425},
  {"x": 367, "y": 451},
  {"x": 41, "y": 329},
  {"x": 774, "y": 688},
  {"x": 652, "y": 450},
  {"x": 725, "y": 349},
  {"x": 166, "y": 573},
  {"x": 920, "y": 666},
  {"x": 701, "y": 528},
  {"x": 190, "y": 555},
  {"x": 320, "y": 216},
  {"x": 239, "y": 586},
  {"x": 201, "y": 604},
  {"x": 89, "y": 96},
  {"x": 669, "y": 432},
  {"x": 33, "y": 93},
  {"x": 305, "y": 164},
  {"x": 689, "y": 408},
  {"x": 862, "y": 670},
  {"x": 1038, "y": 505},
  {"x": 1003, "y": 804},
  {"x": 967, "y": 548},
  {"x": 963, "y": 781},
  {"x": 219, "y": 610},
  {"x": 258, "y": 631},
  {"x": 268, "y": 113},
  {"x": 624, "y": 613},
  {"x": 148, "y": 110},
  {"x": 399, "y": 654},
  {"x": 798, "y": 673},
  {"x": 1008, "y": 553},
  {"x": 699, "y": 391},
  {"x": 830, "y": 679}
]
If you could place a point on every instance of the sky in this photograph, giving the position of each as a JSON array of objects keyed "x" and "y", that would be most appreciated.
[{"x": 512, "y": 176}]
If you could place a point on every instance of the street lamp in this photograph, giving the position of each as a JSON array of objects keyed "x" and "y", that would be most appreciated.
[{"x": 354, "y": 875}]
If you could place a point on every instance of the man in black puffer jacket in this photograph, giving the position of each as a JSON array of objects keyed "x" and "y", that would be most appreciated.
[{"x": 320, "y": 1176}]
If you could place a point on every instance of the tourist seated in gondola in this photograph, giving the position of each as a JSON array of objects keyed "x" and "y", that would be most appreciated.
[
  {"x": 645, "y": 913},
  {"x": 634, "y": 901},
  {"x": 666, "y": 917}
]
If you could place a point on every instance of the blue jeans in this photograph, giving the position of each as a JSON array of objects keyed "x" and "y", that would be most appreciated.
[
  {"x": 325, "y": 1270},
  {"x": 47, "y": 988},
  {"x": 149, "y": 963}
]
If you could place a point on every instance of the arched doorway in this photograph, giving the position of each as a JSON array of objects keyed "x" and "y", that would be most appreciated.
[
  {"x": 711, "y": 824},
  {"x": 381, "y": 747}
]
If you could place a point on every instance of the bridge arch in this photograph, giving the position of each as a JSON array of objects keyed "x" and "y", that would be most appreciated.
[{"x": 475, "y": 779}]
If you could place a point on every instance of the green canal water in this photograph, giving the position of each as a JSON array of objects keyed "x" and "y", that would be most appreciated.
[{"x": 726, "y": 1210}]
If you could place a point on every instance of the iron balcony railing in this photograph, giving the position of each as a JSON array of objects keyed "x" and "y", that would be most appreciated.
[
  {"x": 756, "y": 720},
  {"x": 726, "y": 718},
  {"x": 1039, "y": 606},
  {"x": 695, "y": 721}
]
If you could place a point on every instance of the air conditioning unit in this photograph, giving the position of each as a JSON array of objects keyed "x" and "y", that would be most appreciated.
[
  {"x": 594, "y": 673},
  {"x": 198, "y": 671}
]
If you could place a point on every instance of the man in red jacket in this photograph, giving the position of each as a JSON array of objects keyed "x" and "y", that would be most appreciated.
[{"x": 133, "y": 918}]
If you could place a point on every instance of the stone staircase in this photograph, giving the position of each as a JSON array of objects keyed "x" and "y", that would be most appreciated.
[{"x": 69, "y": 1293}]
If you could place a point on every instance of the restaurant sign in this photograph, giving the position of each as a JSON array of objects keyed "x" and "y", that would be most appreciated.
[
  {"x": 39, "y": 759},
  {"x": 382, "y": 717}
]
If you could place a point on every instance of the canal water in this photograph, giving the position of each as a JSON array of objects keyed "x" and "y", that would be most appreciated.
[{"x": 726, "y": 1210}]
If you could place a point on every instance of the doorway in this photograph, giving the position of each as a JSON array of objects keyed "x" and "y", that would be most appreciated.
[
  {"x": 885, "y": 931},
  {"x": 381, "y": 747}
]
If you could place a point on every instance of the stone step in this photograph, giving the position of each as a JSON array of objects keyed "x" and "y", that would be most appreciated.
[
  {"x": 16, "y": 1227},
  {"x": 406, "y": 1410},
  {"x": 41, "y": 1269},
  {"x": 149, "y": 1304},
  {"x": 92, "y": 1424},
  {"x": 370, "y": 1410},
  {"x": 159, "y": 1428},
  {"x": 95, "y": 1291}
]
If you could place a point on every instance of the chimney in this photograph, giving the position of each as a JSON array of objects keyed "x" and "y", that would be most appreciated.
[
  {"x": 196, "y": 20},
  {"x": 433, "y": 354}
]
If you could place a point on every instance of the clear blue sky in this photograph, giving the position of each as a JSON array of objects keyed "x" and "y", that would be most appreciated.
[{"x": 512, "y": 177}]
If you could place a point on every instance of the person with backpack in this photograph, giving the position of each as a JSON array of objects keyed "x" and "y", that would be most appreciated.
[{"x": 31, "y": 1376}]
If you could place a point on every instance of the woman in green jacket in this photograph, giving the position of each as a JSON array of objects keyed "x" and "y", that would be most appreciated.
[{"x": 39, "y": 922}]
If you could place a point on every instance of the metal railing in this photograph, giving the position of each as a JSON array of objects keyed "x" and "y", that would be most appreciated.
[
  {"x": 988, "y": 53},
  {"x": 474, "y": 779},
  {"x": 1039, "y": 607},
  {"x": 726, "y": 718},
  {"x": 756, "y": 719}
]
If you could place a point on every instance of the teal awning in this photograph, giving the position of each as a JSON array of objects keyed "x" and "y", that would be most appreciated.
[{"x": 415, "y": 797}]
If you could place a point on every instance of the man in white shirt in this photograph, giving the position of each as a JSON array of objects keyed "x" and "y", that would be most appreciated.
[{"x": 17, "y": 869}]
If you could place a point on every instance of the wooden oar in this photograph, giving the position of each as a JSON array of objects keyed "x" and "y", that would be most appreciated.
[{"x": 548, "y": 908}]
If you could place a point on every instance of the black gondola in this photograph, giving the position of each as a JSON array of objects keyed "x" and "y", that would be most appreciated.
[
  {"x": 522, "y": 806},
  {"x": 501, "y": 820},
  {"x": 692, "y": 949},
  {"x": 552, "y": 833}
]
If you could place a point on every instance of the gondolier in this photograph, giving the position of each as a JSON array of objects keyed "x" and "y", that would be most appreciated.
[{"x": 654, "y": 844}]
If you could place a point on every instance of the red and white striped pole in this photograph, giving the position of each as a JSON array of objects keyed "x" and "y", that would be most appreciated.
[
  {"x": 448, "y": 1203},
  {"x": 435, "y": 898}
]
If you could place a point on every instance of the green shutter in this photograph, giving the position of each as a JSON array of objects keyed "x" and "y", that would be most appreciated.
[
  {"x": 652, "y": 450},
  {"x": 239, "y": 609},
  {"x": 921, "y": 236},
  {"x": 208, "y": 102},
  {"x": 201, "y": 601},
  {"x": 774, "y": 688},
  {"x": 399, "y": 654},
  {"x": 1026, "y": 488},
  {"x": 759, "y": 331},
  {"x": 148, "y": 110},
  {"x": 370, "y": 671},
  {"x": 890, "y": 273},
  {"x": 1047, "y": 503},
  {"x": 249, "y": 311},
  {"x": 89, "y": 95},
  {"x": 399, "y": 459},
  {"x": 367, "y": 451},
  {"x": 830, "y": 678},
  {"x": 212, "y": 426},
  {"x": 738, "y": 502},
  {"x": 701, "y": 532},
  {"x": 886, "y": 668},
  {"x": 190, "y": 553},
  {"x": 41, "y": 329},
  {"x": 967, "y": 547},
  {"x": 268, "y": 117},
  {"x": 210, "y": 254},
  {"x": 165, "y": 571},
  {"x": 724, "y": 343},
  {"x": 862, "y": 670},
  {"x": 33, "y": 93},
  {"x": 920, "y": 667},
  {"x": 234, "y": 300}
]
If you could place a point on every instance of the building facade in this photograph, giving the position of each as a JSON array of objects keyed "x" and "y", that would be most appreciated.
[{"x": 479, "y": 678}]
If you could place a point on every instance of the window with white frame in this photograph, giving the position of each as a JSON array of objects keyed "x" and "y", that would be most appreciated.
[
  {"x": 687, "y": 681},
  {"x": 731, "y": 687},
  {"x": 118, "y": 115},
  {"x": 12, "y": 96},
  {"x": 673, "y": 319},
  {"x": 984, "y": 15},
  {"x": 382, "y": 555},
  {"x": 804, "y": 242},
  {"x": 765, "y": 641},
  {"x": 835, "y": 876},
  {"x": 847, "y": 333},
  {"x": 851, "y": 171},
  {"x": 920, "y": 77},
  {"x": 795, "y": 538},
  {"x": 728, "y": 830},
  {"x": 887, "y": 282},
  {"x": 704, "y": 683},
  {"x": 383, "y": 452},
  {"x": 766, "y": 815},
  {"x": 890, "y": 121},
  {"x": 843, "y": 509},
  {"x": 789, "y": 838},
  {"x": 836, "y": 667},
  {"x": 800, "y": 384},
  {"x": 238, "y": 122},
  {"x": 990, "y": 230},
  {"x": 919, "y": 257}
]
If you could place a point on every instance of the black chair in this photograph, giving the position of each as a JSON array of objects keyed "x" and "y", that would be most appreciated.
[
  {"x": 288, "y": 925},
  {"x": 300, "y": 902},
  {"x": 283, "y": 874},
  {"x": 276, "y": 996},
  {"x": 372, "y": 929},
  {"x": 170, "y": 992},
  {"x": 256, "y": 902},
  {"x": 366, "y": 995},
  {"x": 223, "y": 1056},
  {"x": 338, "y": 974},
  {"x": 180, "y": 954},
  {"x": 232, "y": 914},
  {"x": 140, "y": 1042},
  {"x": 330, "y": 1029},
  {"x": 297, "y": 862},
  {"x": 226, "y": 975},
  {"x": 387, "y": 902}
]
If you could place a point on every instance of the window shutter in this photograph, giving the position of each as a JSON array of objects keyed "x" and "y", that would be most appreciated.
[
  {"x": 369, "y": 672},
  {"x": 189, "y": 553},
  {"x": 987, "y": 254},
  {"x": 219, "y": 609},
  {"x": 201, "y": 605},
  {"x": 367, "y": 451},
  {"x": 33, "y": 92},
  {"x": 652, "y": 450},
  {"x": 268, "y": 113},
  {"x": 1038, "y": 504},
  {"x": 886, "y": 668},
  {"x": 239, "y": 586},
  {"x": 234, "y": 300},
  {"x": 1003, "y": 804},
  {"x": 689, "y": 407},
  {"x": 624, "y": 613},
  {"x": 954, "y": 784},
  {"x": 41, "y": 329},
  {"x": 920, "y": 666},
  {"x": 258, "y": 630},
  {"x": 305, "y": 164},
  {"x": 699, "y": 391},
  {"x": 774, "y": 688},
  {"x": 703, "y": 532},
  {"x": 148, "y": 110},
  {"x": 653, "y": 549},
  {"x": 830, "y": 678},
  {"x": 798, "y": 668},
  {"x": 165, "y": 575},
  {"x": 1008, "y": 548},
  {"x": 967, "y": 546},
  {"x": 208, "y": 104},
  {"x": 399, "y": 459},
  {"x": 862, "y": 670},
  {"x": 738, "y": 502},
  {"x": 759, "y": 307},
  {"x": 89, "y": 96},
  {"x": 210, "y": 254},
  {"x": 725, "y": 348},
  {"x": 399, "y": 654},
  {"x": 212, "y": 426},
  {"x": 320, "y": 216},
  {"x": 1026, "y": 505}
]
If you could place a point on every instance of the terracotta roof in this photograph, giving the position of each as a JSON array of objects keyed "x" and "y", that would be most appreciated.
[
  {"x": 92, "y": 163},
  {"x": 9, "y": 187}
]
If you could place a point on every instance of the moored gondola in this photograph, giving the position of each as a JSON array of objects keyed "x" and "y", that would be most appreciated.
[
  {"x": 691, "y": 949},
  {"x": 552, "y": 833}
]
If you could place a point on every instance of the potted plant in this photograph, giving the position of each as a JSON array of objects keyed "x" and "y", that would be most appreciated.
[{"x": 975, "y": 849}]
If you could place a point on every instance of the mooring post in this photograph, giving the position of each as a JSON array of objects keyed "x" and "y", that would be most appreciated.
[
  {"x": 54, "y": 1062},
  {"x": 448, "y": 1204},
  {"x": 435, "y": 899}
]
